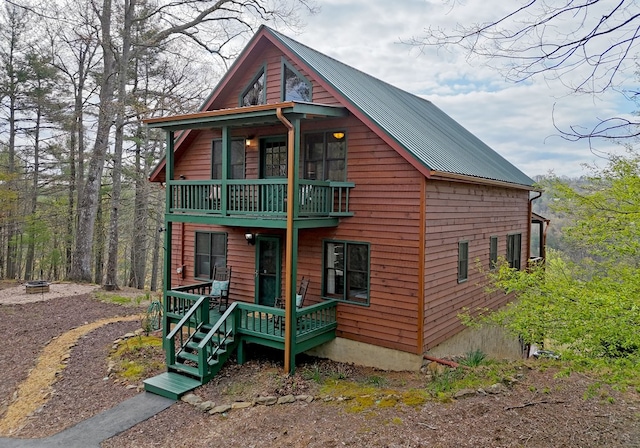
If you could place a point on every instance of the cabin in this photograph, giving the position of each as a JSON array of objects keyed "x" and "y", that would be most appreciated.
[{"x": 301, "y": 170}]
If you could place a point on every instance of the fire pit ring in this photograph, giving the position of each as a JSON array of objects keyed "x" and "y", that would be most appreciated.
[{"x": 37, "y": 287}]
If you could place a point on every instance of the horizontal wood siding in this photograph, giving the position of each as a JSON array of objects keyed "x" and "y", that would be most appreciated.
[{"x": 464, "y": 212}]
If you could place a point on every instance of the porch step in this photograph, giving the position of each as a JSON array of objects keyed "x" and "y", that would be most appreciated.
[
  {"x": 185, "y": 369},
  {"x": 170, "y": 385}
]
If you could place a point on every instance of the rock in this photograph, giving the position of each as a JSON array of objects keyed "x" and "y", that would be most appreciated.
[
  {"x": 220, "y": 409},
  {"x": 267, "y": 401},
  {"x": 497, "y": 388},
  {"x": 132, "y": 386},
  {"x": 191, "y": 399},
  {"x": 307, "y": 398},
  {"x": 241, "y": 405},
  {"x": 462, "y": 393},
  {"x": 436, "y": 368},
  {"x": 286, "y": 399},
  {"x": 205, "y": 406},
  {"x": 117, "y": 341},
  {"x": 129, "y": 336}
]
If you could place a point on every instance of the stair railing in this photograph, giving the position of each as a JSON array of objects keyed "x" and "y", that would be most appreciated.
[
  {"x": 183, "y": 331},
  {"x": 216, "y": 340}
]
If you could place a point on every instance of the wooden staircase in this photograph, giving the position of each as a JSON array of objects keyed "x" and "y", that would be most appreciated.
[{"x": 195, "y": 351}]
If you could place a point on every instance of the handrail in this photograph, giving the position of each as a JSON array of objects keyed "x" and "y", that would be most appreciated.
[
  {"x": 217, "y": 326},
  {"x": 186, "y": 317}
]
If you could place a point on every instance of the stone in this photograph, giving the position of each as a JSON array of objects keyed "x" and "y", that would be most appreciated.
[
  {"x": 205, "y": 406},
  {"x": 307, "y": 398},
  {"x": 463, "y": 393},
  {"x": 220, "y": 409},
  {"x": 241, "y": 405},
  {"x": 497, "y": 388},
  {"x": 267, "y": 401},
  {"x": 191, "y": 399},
  {"x": 128, "y": 336},
  {"x": 286, "y": 399}
]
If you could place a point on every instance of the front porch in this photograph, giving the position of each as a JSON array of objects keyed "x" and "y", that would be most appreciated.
[{"x": 198, "y": 338}]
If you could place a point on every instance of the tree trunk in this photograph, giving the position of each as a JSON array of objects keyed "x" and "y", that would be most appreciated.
[
  {"x": 88, "y": 207},
  {"x": 140, "y": 218}
]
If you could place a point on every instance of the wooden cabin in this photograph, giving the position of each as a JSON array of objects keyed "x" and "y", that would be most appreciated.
[{"x": 298, "y": 166}]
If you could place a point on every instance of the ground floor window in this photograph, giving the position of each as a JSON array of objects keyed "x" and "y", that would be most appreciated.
[
  {"x": 463, "y": 261},
  {"x": 346, "y": 271},
  {"x": 211, "y": 250},
  {"x": 514, "y": 249}
]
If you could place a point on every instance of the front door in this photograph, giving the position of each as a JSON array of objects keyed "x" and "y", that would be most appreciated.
[{"x": 268, "y": 274}]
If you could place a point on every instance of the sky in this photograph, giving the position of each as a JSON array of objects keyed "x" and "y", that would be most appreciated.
[{"x": 515, "y": 119}]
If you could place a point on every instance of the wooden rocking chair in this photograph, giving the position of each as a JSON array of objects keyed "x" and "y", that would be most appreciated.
[
  {"x": 219, "y": 294},
  {"x": 279, "y": 301}
]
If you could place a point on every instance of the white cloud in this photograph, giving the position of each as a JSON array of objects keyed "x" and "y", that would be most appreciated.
[{"x": 514, "y": 119}]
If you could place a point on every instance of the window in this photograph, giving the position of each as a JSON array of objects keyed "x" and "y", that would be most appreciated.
[
  {"x": 346, "y": 271},
  {"x": 255, "y": 94},
  {"x": 211, "y": 250},
  {"x": 514, "y": 248},
  {"x": 236, "y": 160},
  {"x": 274, "y": 158},
  {"x": 463, "y": 261},
  {"x": 325, "y": 156},
  {"x": 493, "y": 252},
  {"x": 295, "y": 87}
]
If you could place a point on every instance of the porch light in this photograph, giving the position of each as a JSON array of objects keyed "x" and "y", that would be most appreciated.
[
  {"x": 248, "y": 140},
  {"x": 338, "y": 135},
  {"x": 250, "y": 237}
]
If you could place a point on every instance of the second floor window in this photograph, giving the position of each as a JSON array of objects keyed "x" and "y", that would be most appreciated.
[
  {"x": 236, "y": 160},
  {"x": 493, "y": 252},
  {"x": 463, "y": 261},
  {"x": 325, "y": 156}
]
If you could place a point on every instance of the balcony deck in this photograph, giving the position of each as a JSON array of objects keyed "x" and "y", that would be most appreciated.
[{"x": 219, "y": 201}]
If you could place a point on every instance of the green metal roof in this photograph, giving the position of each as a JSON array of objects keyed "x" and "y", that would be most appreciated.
[{"x": 426, "y": 132}]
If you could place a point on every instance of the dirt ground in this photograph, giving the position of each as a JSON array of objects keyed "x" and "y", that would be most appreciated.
[{"x": 535, "y": 408}]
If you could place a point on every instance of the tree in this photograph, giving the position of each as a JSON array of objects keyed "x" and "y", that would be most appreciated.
[
  {"x": 590, "y": 307},
  {"x": 587, "y": 45}
]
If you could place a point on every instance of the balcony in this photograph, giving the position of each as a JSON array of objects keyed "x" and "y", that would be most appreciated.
[{"x": 261, "y": 198}]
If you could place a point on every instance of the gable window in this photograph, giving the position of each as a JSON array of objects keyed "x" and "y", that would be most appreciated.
[
  {"x": 295, "y": 87},
  {"x": 493, "y": 252},
  {"x": 325, "y": 156},
  {"x": 463, "y": 261},
  {"x": 346, "y": 271},
  {"x": 211, "y": 250},
  {"x": 256, "y": 93},
  {"x": 514, "y": 248},
  {"x": 236, "y": 160}
]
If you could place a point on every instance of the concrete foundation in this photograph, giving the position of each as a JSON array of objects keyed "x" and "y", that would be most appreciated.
[
  {"x": 493, "y": 341},
  {"x": 348, "y": 351}
]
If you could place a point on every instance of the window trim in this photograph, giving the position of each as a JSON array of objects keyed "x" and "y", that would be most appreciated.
[
  {"x": 345, "y": 297},
  {"x": 229, "y": 168},
  {"x": 262, "y": 70},
  {"x": 511, "y": 252},
  {"x": 493, "y": 252},
  {"x": 463, "y": 261},
  {"x": 196, "y": 274},
  {"x": 283, "y": 90}
]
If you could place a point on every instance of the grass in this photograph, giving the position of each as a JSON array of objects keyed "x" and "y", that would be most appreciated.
[{"x": 138, "y": 358}]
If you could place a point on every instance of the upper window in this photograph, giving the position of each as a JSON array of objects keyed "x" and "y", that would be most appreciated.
[
  {"x": 274, "y": 157},
  {"x": 514, "y": 248},
  {"x": 211, "y": 250},
  {"x": 295, "y": 87},
  {"x": 463, "y": 261},
  {"x": 346, "y": 271},
  {"x": 256, "y": 93},
  {"x": 325, "y": 156},
  {"x": 493, "y": 252},
  {"x": 236, "y": 160}
]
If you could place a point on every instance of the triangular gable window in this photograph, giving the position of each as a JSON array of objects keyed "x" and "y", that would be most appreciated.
[
  {"x": 295, "y": 87},
  {"x": 255, "y": 94}
]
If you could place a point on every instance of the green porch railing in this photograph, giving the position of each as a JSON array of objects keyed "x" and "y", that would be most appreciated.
[{"x": 267, "y": 197}]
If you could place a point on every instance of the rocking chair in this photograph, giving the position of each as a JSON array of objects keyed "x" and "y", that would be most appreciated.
[
  {"x": 279, "y": 301},
  {"x": 219, "y": 294}
]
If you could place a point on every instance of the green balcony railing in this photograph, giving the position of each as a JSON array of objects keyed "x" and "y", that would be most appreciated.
[{"x": 265, "y": 197}]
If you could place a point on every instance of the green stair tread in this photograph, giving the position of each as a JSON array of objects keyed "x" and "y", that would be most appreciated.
[
  {"x": 170, "y": 385},
  {"x": 186, "y": 355},
  {"x": 186, "y": 369}
]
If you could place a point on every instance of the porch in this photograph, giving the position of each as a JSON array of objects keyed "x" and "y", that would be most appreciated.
[{"x": 199, "y": 338}]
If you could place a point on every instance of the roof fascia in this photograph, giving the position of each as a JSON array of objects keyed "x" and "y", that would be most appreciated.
[{"x": 440, "y": 175}]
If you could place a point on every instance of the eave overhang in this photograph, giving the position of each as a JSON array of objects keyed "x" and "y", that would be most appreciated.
[{"x": 263, "y": 114}]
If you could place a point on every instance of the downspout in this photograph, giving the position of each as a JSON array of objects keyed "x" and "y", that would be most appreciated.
[
  {"x": 529, "y": 232},
  {"x": 289, "y": 239}
]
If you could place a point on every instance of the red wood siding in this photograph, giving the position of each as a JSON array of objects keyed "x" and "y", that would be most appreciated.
[{"x": 465, "y": 212}]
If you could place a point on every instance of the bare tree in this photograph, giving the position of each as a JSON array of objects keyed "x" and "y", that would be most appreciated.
[{"x": 588, "y": 45}]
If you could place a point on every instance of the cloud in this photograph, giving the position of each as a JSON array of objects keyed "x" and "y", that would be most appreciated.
[{"x": 517, "y": 120}]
